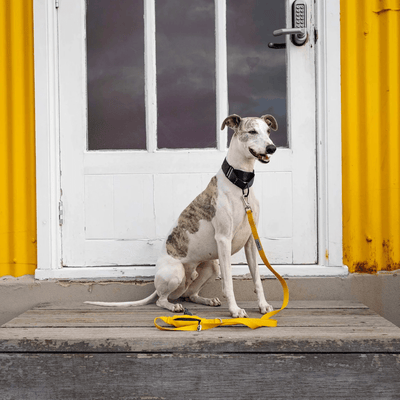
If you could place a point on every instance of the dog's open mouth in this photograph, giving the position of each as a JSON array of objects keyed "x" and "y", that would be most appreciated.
[{"x": 260, "y": 157}]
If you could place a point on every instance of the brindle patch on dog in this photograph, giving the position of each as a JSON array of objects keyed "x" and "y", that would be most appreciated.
[{"x": 202, "y": 207}]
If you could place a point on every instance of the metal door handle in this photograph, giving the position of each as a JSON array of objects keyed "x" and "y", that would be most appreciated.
[
  {"x": 298, "y": 33},
  {"x": 290, "y": 31}
]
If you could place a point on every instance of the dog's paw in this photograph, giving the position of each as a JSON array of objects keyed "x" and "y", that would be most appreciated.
[
  {"x": 265, "y": 308},
  {"x": 239, "y": 313},
  {"x": 178, "y": 308},
  {"x": 215, "y": 302}
]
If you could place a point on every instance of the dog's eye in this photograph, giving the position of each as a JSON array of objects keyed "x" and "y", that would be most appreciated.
[{"x": 253, "y": 132}]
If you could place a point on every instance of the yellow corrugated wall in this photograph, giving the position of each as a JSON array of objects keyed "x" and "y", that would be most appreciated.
[
  {"x": 370, "y": 57},
  {"x": 17, "y": 140}
]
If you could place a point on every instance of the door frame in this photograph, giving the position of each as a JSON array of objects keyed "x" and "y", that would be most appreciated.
[{"x": 329, "y": 171}]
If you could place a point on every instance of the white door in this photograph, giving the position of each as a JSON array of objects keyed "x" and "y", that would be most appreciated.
[{"x": 144, "y": 88}]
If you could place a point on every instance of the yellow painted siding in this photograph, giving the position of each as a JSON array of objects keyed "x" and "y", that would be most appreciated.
[
  {"x": 17, "y": 140},
  {"x": 370, "y": 53}
]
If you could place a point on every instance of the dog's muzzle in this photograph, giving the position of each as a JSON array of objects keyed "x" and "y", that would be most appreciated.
[{"x": 260, "y": 157}]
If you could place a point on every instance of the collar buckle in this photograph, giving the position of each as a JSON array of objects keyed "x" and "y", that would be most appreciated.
[{"x": 229, "y": 173}]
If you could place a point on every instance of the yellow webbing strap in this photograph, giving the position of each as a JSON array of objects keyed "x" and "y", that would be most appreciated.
[{"x": 195, "y": 323}]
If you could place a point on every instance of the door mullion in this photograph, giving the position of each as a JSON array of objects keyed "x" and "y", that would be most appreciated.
[
  {"x": 221, "y": 72},
  {"x": 150, "y": 74}
]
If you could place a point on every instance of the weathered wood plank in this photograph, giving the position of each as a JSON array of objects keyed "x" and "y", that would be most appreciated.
[
  {"x": 96, "y": 329},
  {"x": 199, "y": 376},
  {"x": 141, "y": 318},
  {"x": 293, "y": 304},
  {"x": 319, "y": 350},
  {"x": 218, "y": 340}
]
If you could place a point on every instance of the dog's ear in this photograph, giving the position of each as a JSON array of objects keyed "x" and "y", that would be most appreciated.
[
  {"x": 232, "y": 121},
  {"x": 270, "y": 121}
]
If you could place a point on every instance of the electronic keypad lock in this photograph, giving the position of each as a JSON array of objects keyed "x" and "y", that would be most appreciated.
[
  {"x": 299, "y": 20},
  {"x": 298, "y": 33}
]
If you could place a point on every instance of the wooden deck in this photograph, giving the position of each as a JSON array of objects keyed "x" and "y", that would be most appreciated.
[{"x": 320, "y": 349}]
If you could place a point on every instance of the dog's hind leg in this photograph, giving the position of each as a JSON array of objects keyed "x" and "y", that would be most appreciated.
[
  {"x": 170, "y": 282},
  {"x": 206, "y": 271}
]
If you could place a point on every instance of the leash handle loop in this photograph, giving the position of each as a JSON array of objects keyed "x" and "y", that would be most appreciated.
[{"x": 205, "y": 323}]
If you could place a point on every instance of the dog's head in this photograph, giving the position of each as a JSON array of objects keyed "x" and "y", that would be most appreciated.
[{"x": 254, "y": 134}]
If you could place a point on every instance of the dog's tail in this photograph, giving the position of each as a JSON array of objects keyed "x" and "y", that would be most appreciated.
[{"x": 142, "y": 302}]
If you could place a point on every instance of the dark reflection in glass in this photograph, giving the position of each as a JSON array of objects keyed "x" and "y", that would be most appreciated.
[
  {"x": 115, "y": 69},
  {"x": 256, "y": 73},
  {"x": 186, "y": 73}
]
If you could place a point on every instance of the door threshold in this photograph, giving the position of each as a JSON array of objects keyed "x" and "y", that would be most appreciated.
[{"x": 133, "y": 272}]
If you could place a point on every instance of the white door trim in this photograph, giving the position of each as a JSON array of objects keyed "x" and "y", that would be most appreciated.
[
  {"x": 49, "y": 253},
  {"x": 48, "y": 166},
  {"x": 329, "y": 134}
]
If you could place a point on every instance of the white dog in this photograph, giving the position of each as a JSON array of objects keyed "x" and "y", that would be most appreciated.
[{"x": 214, "y": 226}]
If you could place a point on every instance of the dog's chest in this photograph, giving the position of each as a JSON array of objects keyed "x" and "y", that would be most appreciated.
[
  {"x": 241, "y": 236},
  {"x": 241, "y": 227}
]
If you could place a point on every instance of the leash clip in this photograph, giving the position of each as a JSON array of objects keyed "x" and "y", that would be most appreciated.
[{"x": 245, "y": 202}]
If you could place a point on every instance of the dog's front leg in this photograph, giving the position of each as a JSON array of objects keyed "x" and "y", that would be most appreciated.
[
  {"x": 224, "y": 254},
  {"x": 251, "y": 256}
]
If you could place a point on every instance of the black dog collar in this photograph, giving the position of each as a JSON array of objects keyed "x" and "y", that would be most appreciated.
[{"x": 241, "y": 179}]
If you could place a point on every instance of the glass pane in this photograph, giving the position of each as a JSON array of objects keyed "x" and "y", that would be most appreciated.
[
  {"x": 115, "y": 74},
  {"x": 186, "y": 73},
  {"x": 256, "y": 73}
]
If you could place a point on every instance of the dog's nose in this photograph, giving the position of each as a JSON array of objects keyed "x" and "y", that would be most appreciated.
[{"x": 271, "y": 149}]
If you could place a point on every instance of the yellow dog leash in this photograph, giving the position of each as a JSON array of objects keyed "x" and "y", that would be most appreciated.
[{"x": 195, "y": 323}]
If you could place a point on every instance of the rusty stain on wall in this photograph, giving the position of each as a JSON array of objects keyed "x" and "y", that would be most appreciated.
[
  {"x": 388, "y": 254},
  {"x": 370, "y": 60}
]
